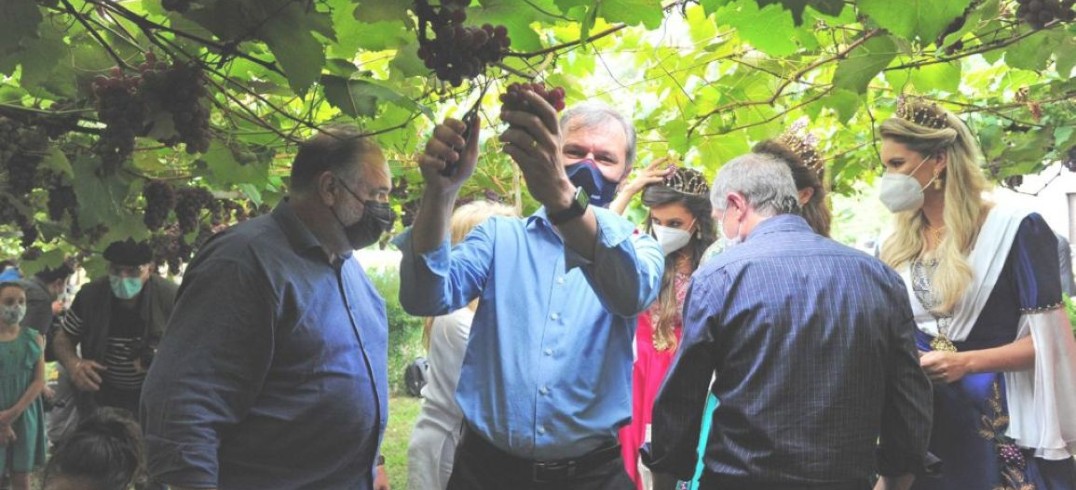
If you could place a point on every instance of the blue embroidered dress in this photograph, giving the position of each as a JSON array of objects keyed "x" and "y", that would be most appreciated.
[{"x": 971, "y": 415}]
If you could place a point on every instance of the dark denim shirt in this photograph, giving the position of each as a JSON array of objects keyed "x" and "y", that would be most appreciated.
[
  {"x": 272, "y": 373},
  {"x": 812, "y": 352}
]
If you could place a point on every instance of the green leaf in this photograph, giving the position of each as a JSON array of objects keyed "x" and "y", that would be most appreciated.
[
  {"x": 517, "y": 16},
  {"x": 937, "y": 77},
  {"x": 56, "y": 161},
  {"x": 715, "y": 151},
  {"x": 41, "y": 58},
  {"x": 632, "y": 12},
  {"x": 828, "y": 7},
  {"x": 910, "y": 19},
  {"x": 226, "y": 170},
  {"x": 406, "y": 63},
  {"x": 100, "y": 199},
  {"x": 1033, "y": 52},
  {"x": 759, "y": 26},
  {"x": 857, "y": 70},
  {"x": 843, "y": 102},
  {"x": 357, "y": 97},
  {"x": 18, "y": 21},
  {"x": 381, "y": 10}
]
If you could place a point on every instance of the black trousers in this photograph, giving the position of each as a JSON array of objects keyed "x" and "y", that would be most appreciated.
[
  {"x": 711, "y": 482},
  {"x": 478, "y": 467}
]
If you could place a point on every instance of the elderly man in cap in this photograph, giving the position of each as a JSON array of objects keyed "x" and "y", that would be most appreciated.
[{"x": 116, "y": 321}]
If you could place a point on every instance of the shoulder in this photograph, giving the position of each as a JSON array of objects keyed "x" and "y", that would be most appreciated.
[{"x": 244, "y": 244}]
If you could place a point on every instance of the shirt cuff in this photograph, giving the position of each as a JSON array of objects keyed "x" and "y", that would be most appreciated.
[
  {"x": 613, "y": 230},
  {"x": 185, "y": 465}
]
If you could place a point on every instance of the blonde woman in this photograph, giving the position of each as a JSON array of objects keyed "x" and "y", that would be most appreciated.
[
  {"x": 437, "y": 430},
  {"x": 986, "y": 296}
]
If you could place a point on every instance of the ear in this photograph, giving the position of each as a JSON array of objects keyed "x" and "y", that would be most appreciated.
[
  {"x": 325, "y": 186},
  {"x": 941, "y": 160},
  {"x": 739, "y": 202},
  {"x": 805, "y": 195}
]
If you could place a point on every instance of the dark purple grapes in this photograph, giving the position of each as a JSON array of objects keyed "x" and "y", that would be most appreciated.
[
  {"x": 457, "y": 52},
  {"x": 513, "y": 99},
  {"x": 160, "y": 199}
]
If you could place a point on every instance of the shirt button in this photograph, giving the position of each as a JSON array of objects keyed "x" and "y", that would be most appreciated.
[
  {"x": 541, "y": 429},
  {"x": 554, "y": 316},
  {"x": 548, "y": 352},
  {"x": 544, "y": 390},
  {"x": 560, "y": 280}
]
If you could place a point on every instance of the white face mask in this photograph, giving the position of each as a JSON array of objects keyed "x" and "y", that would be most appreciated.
[
  {"x": 726, "y": 241},
  {"x": 671, "y": 239},
  {"x": 13, "y": 314},
  {"x": 901, "y": 192}
]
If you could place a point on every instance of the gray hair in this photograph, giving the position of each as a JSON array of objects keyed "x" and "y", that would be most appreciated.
[
  {"x": 764, "y": 180},
  {"x": 593, "y": 114}
]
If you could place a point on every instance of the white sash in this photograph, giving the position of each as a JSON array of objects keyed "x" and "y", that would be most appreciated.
[{"x": 987, "y": 258}]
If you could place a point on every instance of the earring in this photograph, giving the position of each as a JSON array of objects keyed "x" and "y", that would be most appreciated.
[{"x": 938, "y": 183}]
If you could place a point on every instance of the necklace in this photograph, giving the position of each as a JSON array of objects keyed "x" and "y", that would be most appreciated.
[{"x": 922, "y": 285}]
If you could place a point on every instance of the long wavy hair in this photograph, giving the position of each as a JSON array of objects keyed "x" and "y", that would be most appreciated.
[
  {"x": 464, "y": 219},
  {"x": 667, "y": 308},
  {"x": 965, "y": 209},
  {"x": 815, "y": 211}
]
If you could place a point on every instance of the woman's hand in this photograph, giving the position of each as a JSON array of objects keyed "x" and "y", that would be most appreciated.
[
  {"x": 652, "y": 174},
  {"x": 944, "y": 367},
  {"x": 7, "y": 435}
]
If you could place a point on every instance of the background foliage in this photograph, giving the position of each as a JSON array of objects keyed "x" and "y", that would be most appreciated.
[{"x": 703, "y": 80}]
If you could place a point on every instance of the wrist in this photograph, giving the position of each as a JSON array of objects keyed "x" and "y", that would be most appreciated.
[{"x": 563, "y": 200}]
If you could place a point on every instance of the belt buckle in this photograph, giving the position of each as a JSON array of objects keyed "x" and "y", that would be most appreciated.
[{"x": 545, "y": 472}]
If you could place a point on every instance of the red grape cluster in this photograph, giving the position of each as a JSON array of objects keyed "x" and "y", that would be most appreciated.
[
  {"x": 171, "y": 248},
  {"x": 190, "y": 201},
  {"x": 1012, "y": 456},
  {"x": 122, "y": 112},
  {"x": 21, "y": 150},
  {"x": 179, "y": 89},
  {"x": 457, "y": 52},
  {"x": 61, "y": 200},
  {"x": 513, "y": 100},
  {"x": 1038, "y": 13},
  {"x": 160, "y": 199}
]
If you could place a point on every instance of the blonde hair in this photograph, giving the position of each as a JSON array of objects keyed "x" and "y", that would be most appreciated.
[
  {"x": 464, "y": 219},
  {"x": 964, "y": 207}
]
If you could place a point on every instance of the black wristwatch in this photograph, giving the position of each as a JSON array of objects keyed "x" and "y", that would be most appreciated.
[{"x": 578, "y": 207}]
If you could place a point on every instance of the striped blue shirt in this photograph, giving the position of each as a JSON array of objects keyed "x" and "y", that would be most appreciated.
[
  {"x": 811, "y": 348},
  {"x": 547, "y": 373}
]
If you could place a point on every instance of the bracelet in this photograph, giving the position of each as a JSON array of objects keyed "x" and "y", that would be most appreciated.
[{"x": 380, "y": 460}]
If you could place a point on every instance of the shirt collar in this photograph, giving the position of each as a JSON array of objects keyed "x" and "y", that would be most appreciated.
[
  {"x": 299, "y": 236},
  {"x": 539, "y": 216},
  {"x": 780, "y": 224}
]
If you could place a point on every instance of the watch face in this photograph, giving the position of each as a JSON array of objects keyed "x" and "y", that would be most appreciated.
[{"x": 582, "y": 197}]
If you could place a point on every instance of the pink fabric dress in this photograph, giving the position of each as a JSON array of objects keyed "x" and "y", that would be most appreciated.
[{"x": 647, "y": 374}]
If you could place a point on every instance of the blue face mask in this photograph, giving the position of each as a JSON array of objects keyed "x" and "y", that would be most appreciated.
[
  {"x": 125, "y": 287},
  {"x": 585, "y": 174}
]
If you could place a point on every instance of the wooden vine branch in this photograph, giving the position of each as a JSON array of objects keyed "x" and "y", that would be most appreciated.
[
  {"x": 982, "y": 48},
  {"x": 569, "y": 44},
  {"x": 787, "y": 81}
]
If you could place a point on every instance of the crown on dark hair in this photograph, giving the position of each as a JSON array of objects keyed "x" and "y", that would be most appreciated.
[
  {"x": 804, "y": 145},
  {"x": 920, "y": 112},
  {"x": 688, "y": 181}
]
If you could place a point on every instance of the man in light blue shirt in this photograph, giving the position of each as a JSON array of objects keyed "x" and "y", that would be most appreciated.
[{"x": 546, "y": 379}]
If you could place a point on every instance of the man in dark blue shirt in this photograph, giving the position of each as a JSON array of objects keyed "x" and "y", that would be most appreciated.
[
  {"x": 273, "y": 371},
  {"x": 810, "y": 348}
]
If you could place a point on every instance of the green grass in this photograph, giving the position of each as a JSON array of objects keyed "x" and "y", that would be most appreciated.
[{"x": 403, "y": 411}]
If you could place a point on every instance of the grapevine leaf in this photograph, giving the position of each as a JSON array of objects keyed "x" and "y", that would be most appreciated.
[
  {"x": 225, "y": 169},
  {"x": 910, "y": 19},
  {"x": 828, "y": 7},
  {"x": 100, "y": 199},
  {"x": 18, "y": 21},
  {"x": 857, "y": 70},
  {"x": 381, "y": 10},
  {"x": 757, "y": 26},
  {"x": 357, "y": 97},
  {"x": 633, "y": 12},
  {"x": 939, "y": 76},
  {"x": 1033, "y": 52}
]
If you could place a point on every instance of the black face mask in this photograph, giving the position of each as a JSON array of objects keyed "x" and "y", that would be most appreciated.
[
  {"x": 585, "y": 174},
  {"x": 377, "y": 218}
]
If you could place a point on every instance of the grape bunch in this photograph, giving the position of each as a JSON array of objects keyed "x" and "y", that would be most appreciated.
[
  {"x": 1070, "y": 159},
  {"x": 1014, "y": 181},
  {"x": 190, "y": 201},
  {"x": 457, "y": 52},
  {"x": 512, "y": 99},
  {"x": 954, "y": 26},
  {"x": 1038, "y": 13},
  {"x": 21, "y": 150},
  {"x": 180, "y": 89},
  {"x": 61, "y": 200},
  {"x": 122, "y": 112},
  {"x": 160, "y": 199},
  {"x": 1012, "y": 456},
  {"x": 170, "y": 248}
]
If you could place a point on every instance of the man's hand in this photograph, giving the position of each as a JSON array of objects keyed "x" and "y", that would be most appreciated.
[
  {"x": 944, "y": 367},
  {"x": 381, "y": 478},
  {"x": 533, "y": 140},
  {"x": 85, "y": 375},
  {"x": 446, "y": 147}
]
